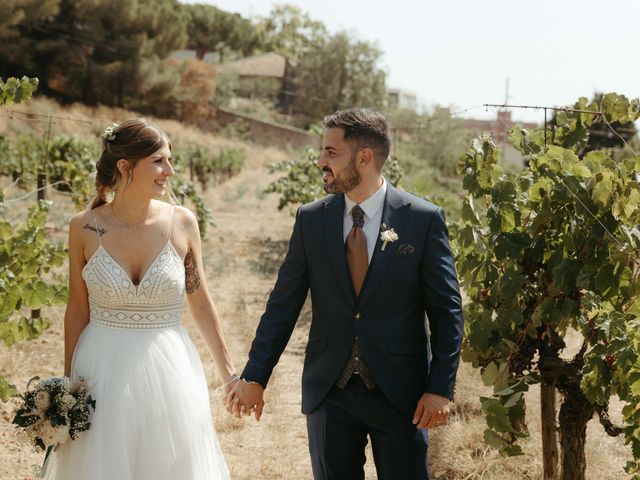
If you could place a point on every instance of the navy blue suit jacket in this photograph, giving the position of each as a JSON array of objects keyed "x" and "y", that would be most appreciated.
[{"x": 413, "y": 276}]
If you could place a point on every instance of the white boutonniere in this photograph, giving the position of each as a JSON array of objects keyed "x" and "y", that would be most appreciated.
[{"x": 387, "y": 235}]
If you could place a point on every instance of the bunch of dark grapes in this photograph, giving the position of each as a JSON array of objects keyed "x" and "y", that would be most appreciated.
[
  {"x": 521, "y": 359},
  {"x": 610, "y": 359}
]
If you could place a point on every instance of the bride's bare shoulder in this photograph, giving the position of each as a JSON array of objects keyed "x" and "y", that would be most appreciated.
[
  {"x": 80, "y": 218},
  {"x": 185, "y": 217},
  {"x": 82, "y": 221}
]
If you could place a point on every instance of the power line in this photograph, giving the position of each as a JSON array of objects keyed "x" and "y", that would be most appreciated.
[
  {"x": 598, "y": 114},
  {"x": 538, "y": 107}
]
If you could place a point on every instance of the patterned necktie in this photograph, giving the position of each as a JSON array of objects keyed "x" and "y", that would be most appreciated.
[{"x": 356, "y": 249}]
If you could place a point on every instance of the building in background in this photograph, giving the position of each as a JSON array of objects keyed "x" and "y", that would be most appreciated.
[
  {"x": 268, "y": 76},
  {"x": 498, "y": 128},
  {"x": 403, "y": 99},
  {"x": 260, "y": 75}
]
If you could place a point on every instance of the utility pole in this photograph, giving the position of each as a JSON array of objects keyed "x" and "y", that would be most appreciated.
[
  {"x": 506, "y": 92},
  {"x": 505, "y": 125}
]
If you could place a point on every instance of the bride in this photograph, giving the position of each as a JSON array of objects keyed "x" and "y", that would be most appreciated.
[{"x": 131, "y": 260}]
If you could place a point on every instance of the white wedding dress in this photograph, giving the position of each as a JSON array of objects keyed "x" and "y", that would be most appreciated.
[{"x": 152, "y": 419}]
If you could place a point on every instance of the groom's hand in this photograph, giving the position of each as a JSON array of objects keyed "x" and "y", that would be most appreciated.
[
  {"x": 245, "y": 398},
  {"x": 432, "y": 411}
]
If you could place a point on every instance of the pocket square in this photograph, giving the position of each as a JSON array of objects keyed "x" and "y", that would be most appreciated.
[{"x": 405, "y": 249}]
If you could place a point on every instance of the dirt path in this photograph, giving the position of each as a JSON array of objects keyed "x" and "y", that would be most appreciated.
[{"x": 243, "y": 255}]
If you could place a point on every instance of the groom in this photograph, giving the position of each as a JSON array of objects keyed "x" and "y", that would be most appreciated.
[{"x": 376, "y": 261}]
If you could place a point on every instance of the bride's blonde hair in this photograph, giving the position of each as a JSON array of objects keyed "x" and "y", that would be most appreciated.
[{"x": 132, "y": 140}]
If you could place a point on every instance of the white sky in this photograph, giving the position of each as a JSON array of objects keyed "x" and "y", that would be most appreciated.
[{"x": 459, "y": 53}]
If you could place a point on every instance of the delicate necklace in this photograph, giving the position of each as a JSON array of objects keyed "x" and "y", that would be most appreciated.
[{"x": 129, "y": 225}]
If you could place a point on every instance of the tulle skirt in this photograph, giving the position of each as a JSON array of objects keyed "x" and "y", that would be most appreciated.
[{"x": 152, "y": 419}]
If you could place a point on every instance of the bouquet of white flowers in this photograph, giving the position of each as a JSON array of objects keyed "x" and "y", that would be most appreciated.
[{"x": 53, "y": 411}]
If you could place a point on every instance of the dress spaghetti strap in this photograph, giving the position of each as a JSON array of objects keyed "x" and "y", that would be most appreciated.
[
  {"x": 173, "y": 209},
  {"x": 95, "y": 224}
]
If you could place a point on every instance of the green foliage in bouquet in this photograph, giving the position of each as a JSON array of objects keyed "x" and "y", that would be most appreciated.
[
  {"x": 552, "y": 249},
  {"x": 303, "y": 180}
]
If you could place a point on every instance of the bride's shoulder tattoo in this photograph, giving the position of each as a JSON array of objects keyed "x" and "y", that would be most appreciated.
[
  {"x": 99, "y": 231},
  {"x": 192, "y": 277}
]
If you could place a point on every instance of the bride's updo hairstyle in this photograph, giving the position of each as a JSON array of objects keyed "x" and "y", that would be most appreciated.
[{"x": 131, "y": 140}]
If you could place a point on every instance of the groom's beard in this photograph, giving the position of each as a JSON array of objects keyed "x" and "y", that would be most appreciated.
[{"x": 348, "y": 179}]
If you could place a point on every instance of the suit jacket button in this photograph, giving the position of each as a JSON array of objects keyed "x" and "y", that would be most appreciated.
[{"x": 358, "y": 316}]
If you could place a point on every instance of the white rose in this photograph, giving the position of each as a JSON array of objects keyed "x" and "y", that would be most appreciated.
[
  {"x": 42, "y": 400},
  {"x": 68, "y": 401}
]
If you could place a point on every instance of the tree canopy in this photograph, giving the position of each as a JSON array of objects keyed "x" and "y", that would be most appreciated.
[
  {"x": 210, "y": 29},
  {"x": 331, "y": 71},
  {"x": 91, "y": 50},
  {"x": 339, "y": 72}
]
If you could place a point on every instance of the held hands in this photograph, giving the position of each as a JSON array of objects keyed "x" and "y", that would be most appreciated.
[
  {"x": 229, "y": 383},
  {"x": 432, "y": 411},
  {"x": 244, "y": 399}
]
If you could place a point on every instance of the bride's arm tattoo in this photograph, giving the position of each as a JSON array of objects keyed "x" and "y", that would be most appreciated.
[
  {"x": 99, "y": 231},
  {"x": 192, "y": 277}
]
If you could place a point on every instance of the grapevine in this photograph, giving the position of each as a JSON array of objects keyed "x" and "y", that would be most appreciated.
[{"x": 552, "y": 249}]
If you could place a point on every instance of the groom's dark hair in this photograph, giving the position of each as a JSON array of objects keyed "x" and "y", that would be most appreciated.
[{"x": 363, "y": 128}]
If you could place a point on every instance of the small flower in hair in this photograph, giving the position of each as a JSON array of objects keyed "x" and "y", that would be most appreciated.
[{"x": 109, "y": 133}]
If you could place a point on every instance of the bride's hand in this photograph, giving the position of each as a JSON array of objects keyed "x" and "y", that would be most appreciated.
[
  {"x": 228, "y": 385},
  {"x": 245, "y": 398}
]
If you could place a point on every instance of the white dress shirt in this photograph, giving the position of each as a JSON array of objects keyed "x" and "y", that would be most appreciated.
[{"x": 372, "y": 207}]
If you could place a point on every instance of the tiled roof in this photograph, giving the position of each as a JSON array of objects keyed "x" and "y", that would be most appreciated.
[{"x": 267, "y": 65}]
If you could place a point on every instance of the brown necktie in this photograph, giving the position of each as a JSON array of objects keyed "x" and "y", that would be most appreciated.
[{"x": 356, "y": 249}]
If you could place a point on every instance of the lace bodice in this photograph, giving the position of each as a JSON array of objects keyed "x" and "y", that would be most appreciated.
[{"x": 114, "y": 300}]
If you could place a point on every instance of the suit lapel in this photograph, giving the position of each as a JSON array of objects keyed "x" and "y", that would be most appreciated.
[
  {"x": 393, "y": 216},
  {"x": 334, "y": 238}
]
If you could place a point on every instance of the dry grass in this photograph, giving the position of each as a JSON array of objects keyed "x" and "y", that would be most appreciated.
[{"x": 241, "y": 257}]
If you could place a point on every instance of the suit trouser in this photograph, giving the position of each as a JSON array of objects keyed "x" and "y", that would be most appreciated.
[{"x": 338, "y": 430}]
